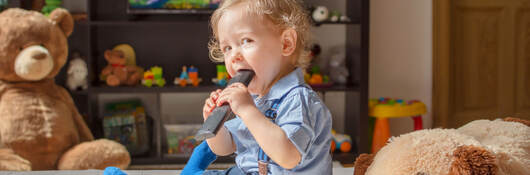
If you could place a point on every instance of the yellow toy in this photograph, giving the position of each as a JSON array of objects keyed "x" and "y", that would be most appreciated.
[
  {"x": 385, "y": 108},
  {"x": 154, "y": 76},
  {"x": 222, "y": 76}
]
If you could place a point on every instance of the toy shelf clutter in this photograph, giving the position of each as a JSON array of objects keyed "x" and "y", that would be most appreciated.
[
  {"x": 384, "y": 108},
  {"x": 173, "y": 39}
]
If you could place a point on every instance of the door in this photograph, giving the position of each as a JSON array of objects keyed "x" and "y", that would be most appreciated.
[{"x": 481, "y": 60}]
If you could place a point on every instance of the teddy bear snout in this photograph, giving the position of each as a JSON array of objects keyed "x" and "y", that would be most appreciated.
[{"x": 33, "y": 63}]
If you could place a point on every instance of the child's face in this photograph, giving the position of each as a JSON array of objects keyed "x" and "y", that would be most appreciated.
[{"x": 252, "y": 43}]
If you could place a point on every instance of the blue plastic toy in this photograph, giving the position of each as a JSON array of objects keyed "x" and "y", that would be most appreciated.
[
  {"x": 201, "y": 157},
  {"x": 113, "y": 171}
]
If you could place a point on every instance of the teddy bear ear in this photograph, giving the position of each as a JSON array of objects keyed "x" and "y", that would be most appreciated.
[
  {"x": 512, "y": 119},
  {"x": 473, "y": 160},
  {"x": 64, "y": 19},
  {"x": 362, "y": 163}
]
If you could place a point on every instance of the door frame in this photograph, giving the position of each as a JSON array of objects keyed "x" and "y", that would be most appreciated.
[{"x": 441, "y": 62}]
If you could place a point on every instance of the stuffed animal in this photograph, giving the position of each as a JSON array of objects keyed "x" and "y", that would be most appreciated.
[
  {"x": 77, "y": 73},
  {"x": 40, "y": 127},
  {"x": 499, "y": 147},
  {"x": 320, "y": 14},
  {"x": 338, "y": 72},
  {"x": 117, "y": 72}
]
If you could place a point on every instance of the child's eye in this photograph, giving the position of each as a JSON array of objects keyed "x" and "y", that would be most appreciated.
[
  {"x": 226, "y": 49},
  {"x": 246, "y": 41}
]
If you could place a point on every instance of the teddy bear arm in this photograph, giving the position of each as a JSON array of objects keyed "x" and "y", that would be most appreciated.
[
  {"x": 97, "y": 154},
  {"x": 106, "y": 71},
  {"x": 10, "y": 161},
  {"x": 362, "y": 163},
  {"x": 84, "y": 132}
]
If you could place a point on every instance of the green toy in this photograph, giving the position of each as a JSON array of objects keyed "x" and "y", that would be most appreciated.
[
  {"x": 222, "y": 76},
  {"x": 50, "y": 6},
  {"x": 154, "y": 76}
]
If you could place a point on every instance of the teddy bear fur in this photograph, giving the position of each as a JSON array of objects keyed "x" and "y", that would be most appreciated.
[
  {"x": 40, "y": 127},
  {"x": 117, "y": 72},
  {"x": 480, "y": 147}
]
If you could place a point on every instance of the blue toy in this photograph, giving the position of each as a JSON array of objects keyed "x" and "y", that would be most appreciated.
[
  {"x": 113, "y": 171},
  {"x": 201, "y": 157}
]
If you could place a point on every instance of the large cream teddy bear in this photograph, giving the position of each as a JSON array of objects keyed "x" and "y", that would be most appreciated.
[
  {"x": 481, "y": 147},
  {"x": 40, "y": 127}
]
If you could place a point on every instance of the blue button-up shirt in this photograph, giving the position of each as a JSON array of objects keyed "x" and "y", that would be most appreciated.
[{"x": 303, "y": 117}]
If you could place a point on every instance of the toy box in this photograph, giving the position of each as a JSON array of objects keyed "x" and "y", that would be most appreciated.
[
  {"x": 127, "y": 123},
  {"x": 180, "y": 138}
]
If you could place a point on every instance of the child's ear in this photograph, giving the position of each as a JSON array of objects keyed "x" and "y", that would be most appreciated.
[{"x": 289, "y": 38}]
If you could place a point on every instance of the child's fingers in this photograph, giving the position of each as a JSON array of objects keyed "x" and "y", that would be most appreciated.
[
  {"x": 210, "y": 104},
  {"x": 215, "y": 94},
  {"x": 223, "y": 98}
]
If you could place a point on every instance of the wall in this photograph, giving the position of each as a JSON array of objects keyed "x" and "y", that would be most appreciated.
[{"x": 401, "y": 54}]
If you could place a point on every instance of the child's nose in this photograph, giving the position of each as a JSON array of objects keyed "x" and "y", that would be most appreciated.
[{"x": 237, "y": 56}]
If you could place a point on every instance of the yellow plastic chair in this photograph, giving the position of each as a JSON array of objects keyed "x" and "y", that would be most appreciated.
[{"x": 385, "y": 108}]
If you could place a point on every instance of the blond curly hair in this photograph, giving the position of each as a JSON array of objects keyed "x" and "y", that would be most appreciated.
[{"x": 284, "y": 14}]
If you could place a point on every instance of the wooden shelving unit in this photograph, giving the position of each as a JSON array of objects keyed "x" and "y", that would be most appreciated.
[{"x": 156, "y": 34}]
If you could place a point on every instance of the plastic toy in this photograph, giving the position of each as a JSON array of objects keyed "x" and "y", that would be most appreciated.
[
  {"x": 154, "y": 77},
  {"x": 316, "y": 78},
  {"x": 50, "y": 6},
  {"x": 113, "y": 171},
  {"x": 77, "y": 73},
  {"x": 188, "y": 76},
  {"x": 385, "y": 108},
  {"x": 340, "y": 142},
  {"x": 222, "y": 76}
]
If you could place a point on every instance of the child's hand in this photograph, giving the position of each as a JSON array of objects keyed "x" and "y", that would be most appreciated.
[
  {"x": 210, "y": 104},
  {"x": 237, "y": 96}
]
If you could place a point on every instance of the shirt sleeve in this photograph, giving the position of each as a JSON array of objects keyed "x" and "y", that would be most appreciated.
[{"x": 295, "y": 119}]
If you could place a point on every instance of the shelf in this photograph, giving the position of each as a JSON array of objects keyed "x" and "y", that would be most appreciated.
[
  {"x": 169, "y": 11},
  {"x": 172, "y": 88},
  {"x": 78, "y": 92},
  {"x": 352, "y": 21},
  {"x": 138, "y": 22},
  {"x": 343, "y": 158},
  {"x": 173, "y": 160}
]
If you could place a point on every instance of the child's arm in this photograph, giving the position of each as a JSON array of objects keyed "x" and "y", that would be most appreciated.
[
  {"x": 222, "y": 144},
  {"x": 271, "y": 138}
]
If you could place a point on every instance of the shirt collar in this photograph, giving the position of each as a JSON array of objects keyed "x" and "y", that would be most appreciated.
[{"x": 286, "y": 83}]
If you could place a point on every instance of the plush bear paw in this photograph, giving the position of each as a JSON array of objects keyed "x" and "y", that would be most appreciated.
[{"x": 9, "y": 161}]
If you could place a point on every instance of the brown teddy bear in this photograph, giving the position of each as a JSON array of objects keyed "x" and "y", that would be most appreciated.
[
  {"x": 40, "y": 127},
  {"x": 482, "y": 147},
  {"x": 117, "y": 72}
]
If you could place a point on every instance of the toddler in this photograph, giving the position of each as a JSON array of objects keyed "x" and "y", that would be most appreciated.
[{"x": 282, "y": 126}]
